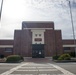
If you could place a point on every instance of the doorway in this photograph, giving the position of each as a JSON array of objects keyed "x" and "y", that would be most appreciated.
[{"x": 38, "y": 51}]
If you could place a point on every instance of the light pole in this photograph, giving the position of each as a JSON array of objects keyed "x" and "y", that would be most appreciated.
[
  {"x": 1, "y": 9},
  {"x": 72, "y": 26}
]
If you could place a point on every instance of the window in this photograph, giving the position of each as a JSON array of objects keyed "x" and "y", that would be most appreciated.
[
  {"x": 40, "y": 42},
  {"x": 66, "y": 48},
  {"x": 8, "y": 50},
  {"x": 39, "y": 34},
  {"x": 36, "y": 35}
]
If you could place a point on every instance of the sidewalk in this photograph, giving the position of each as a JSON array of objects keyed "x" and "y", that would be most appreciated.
[{"x": 38, "y": 60}]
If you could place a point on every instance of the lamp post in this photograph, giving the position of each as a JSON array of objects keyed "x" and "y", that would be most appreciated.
[
  {"x": 1, "y": 9},
  {"x": 72, "y": 26}
]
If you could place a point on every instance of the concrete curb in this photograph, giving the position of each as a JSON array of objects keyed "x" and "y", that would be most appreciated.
[{"x": 64, "y": 61}]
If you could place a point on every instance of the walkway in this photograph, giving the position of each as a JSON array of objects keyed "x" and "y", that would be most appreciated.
[{"x": 37, "y": 67}]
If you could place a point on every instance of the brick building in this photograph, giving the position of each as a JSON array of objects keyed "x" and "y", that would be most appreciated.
[{"x": 36, "y": 39}]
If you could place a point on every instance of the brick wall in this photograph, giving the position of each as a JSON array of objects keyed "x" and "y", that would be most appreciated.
[
  {"x": 2, "y": 49},
  {"x": 69, "y": 42},
  {"x": 17, "y": 42},
  {"x": 49, "y": 42},
  {"x": 26, "y": 43},
  {"x": 58, "y": 42},
  {"x": 6, "y": 42}
]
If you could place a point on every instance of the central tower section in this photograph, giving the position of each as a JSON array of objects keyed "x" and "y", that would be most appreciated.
[
  {"x": 42, "y": 40},
  {"x": 37, "y": 36},
  {"x": 37, "y": 42}
]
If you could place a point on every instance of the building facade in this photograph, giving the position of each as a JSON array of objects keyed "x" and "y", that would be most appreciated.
[{"x": 37, "y": 39}]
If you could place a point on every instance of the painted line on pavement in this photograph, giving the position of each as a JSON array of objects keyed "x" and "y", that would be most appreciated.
[
  {"x": 37, "y": 67},
  {"x": 65, "y": 72},
  {"x": 40, "y": 70},
  {"x": 13, "y": 69},
  {"x": 37, "y": 74},
  {"x": 9, "y": 64}
]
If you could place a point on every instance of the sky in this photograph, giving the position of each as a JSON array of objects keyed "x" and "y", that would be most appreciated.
[{"x": 16, "y": 11}]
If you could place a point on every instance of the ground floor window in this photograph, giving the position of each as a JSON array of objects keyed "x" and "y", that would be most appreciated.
[
  {"x": 66, "y": 48},
  {"x": 8, "y": 49}
]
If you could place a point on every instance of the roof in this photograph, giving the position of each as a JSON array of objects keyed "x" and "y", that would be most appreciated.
[{"x": 37, "y": 24}]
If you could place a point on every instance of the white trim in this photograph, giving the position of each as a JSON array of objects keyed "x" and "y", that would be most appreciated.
[
  {"x": 38, "y": 32},
  {"x": 6, "y": 46},
  {"x": 38, "y": 22},
  {"x": 69, "y": 45},
  {"x": 39, "y": 28}
]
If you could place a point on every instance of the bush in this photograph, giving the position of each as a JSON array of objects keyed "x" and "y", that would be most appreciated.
[
  {"x": 64, "y": 57},
  {"x": 14, "y": 58},
  {"x": 72, "y": 54},
  {"x": 1, "y": 56},
  {"x": 22, "y": 58},
  {"x": 60, "y": 58},
  {"x": 55, "y": 57},
  {"x": 67, "y": 58}
]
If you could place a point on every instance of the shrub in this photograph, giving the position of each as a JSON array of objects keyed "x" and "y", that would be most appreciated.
[
  {"x": 14, "y": 58},
  {"x": 67, "y": 58},
  {"x": 55, "y": 57},
  {"x": 22, "y": 58},
  {"x": 60, "y": 58},
  {"x": 72, "y": 54},
  {"x": 64, "y": 57}
]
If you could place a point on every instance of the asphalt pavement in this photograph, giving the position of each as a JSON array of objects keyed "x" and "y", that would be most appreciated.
[{"x": 38, "y": 66}]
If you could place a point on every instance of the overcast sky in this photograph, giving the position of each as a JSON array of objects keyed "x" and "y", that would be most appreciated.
[{"x": 16, "y": 11}]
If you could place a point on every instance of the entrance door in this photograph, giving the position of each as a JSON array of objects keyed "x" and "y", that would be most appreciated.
[{"x": 38, "y": 51}]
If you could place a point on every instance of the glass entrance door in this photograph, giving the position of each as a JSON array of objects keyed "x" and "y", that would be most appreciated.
[{"x": 38, "y": 51}]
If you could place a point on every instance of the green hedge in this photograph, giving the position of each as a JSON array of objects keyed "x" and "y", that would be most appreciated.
[
  {"x": 55, "y": 57},
  {"x": 72, "y": 54},
  {"x": 14, "y": 58},
  {"x": 64, "y": 57}
]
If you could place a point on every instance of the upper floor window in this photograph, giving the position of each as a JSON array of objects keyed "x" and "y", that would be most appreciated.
[
  {"x": 39, "y": 34},
  {"x": 8, "y": 50},
  {"x": 66, "y": 48},
  {"x": 36, "y": 35},
  {"x": 35, "y": 43}
]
